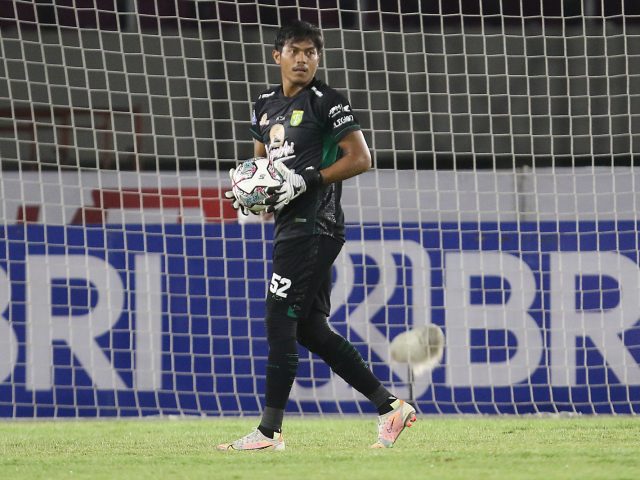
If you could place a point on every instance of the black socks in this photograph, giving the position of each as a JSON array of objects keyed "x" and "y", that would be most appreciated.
[
  {"x": 386, "y": 407},
  {"x": 267, "y": 432}
]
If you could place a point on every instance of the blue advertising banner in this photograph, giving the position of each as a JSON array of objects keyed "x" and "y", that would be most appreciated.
[{"x": 167, "y": 319}]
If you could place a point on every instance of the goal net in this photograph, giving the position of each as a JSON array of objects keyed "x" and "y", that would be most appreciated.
[{"x": 502, "y": 205}]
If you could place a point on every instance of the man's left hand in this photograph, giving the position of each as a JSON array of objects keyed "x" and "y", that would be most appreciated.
[{"x": 293, "y": 186}]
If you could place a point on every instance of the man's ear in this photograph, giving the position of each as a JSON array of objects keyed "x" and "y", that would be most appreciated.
[{"x": 276, "y": 56}]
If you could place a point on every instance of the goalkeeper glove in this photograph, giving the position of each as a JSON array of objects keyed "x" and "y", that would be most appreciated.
[
  {"x": 236, "y": 203},
  {"x": 292, "y": 187}
]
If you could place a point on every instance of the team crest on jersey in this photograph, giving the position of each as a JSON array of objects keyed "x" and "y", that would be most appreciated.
[
  {"x": 296, "y": 118},
  {"x": 264, "y": 120}
]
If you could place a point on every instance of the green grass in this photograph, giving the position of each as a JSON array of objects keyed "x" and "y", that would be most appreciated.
[{"x": 331, "y": 448}]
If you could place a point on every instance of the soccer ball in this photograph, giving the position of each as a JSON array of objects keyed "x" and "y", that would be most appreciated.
[
  {"x": 421, "y": 348},
  {"x": 251, "y": 180}
]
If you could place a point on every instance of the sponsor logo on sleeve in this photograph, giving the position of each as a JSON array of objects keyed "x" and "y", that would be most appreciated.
[
  {"x": 335, "y": 110},
  {"x": 342, "y": 120},
  {"x": 254, "y": 120},
  {"x": 338, "y": 109}
]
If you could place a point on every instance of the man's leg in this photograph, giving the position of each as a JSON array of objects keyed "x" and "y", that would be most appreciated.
[
  {"x": 394, "y": 414},
  {"x": 315, "y": 334},
  {"x": 282, "y": 366},
  {"x": 297, "y": 265},
  {"x": 342, "y": 357}
]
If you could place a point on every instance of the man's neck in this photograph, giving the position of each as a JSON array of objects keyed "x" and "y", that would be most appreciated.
[{"x": 291, "y": 90}]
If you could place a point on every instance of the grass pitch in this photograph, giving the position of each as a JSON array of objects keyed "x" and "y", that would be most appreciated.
[{"x": 325, "y": 448}]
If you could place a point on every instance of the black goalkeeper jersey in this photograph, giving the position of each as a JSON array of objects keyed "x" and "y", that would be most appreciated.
[{"x": 304, "y": 131}]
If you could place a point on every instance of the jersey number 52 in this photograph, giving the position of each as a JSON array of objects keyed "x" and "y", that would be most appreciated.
[{"x": 279, "y": 285}]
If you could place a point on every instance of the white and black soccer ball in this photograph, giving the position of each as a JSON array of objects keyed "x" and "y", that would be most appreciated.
[{"x": 251, "y": 180}]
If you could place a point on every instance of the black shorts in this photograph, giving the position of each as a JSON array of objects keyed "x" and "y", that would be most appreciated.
[{"x": 301, "y": 279}]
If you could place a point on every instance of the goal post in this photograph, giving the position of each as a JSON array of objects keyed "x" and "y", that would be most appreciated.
[{"x": 502, "y": 206}]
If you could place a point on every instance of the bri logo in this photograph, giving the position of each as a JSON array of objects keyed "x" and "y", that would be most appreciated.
[{"x": 550, "y": 318}]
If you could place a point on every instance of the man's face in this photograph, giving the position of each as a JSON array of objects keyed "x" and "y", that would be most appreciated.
[{"x": 298, "y": 61}]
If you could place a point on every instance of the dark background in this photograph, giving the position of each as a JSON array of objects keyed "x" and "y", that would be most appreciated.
[{"x": 168, "y": 85}]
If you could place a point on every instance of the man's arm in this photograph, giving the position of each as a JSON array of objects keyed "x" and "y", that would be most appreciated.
[
  {"x": 259, "y": 150},
  {"x": 355, "y": 159}
]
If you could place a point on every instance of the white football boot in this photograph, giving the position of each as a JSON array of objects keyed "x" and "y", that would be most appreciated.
[
  {"x": 254, "y": 441},
  {"x": 391, "y": 424}
]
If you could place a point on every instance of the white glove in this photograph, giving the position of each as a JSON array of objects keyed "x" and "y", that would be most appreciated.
[
  {"x": 236, "y": 203},
  {"x": 293, "y": 186}
]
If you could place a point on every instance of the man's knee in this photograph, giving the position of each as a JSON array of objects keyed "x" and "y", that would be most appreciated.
[
  {"x": 281, "y": 329},
  {"x": 314, "y": 331}
]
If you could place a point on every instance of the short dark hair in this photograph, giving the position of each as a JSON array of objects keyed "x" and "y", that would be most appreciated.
[{"x": 299, "y": 30}]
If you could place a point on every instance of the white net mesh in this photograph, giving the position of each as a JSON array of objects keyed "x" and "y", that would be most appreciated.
[{"x": 502, "y": 206}]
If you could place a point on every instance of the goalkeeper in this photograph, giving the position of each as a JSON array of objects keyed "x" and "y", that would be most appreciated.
[{"x": 309, "y": 131}]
